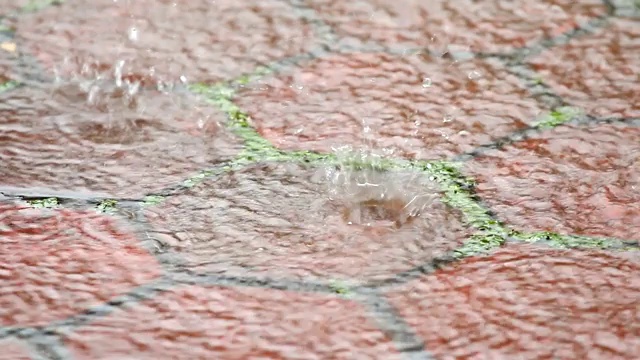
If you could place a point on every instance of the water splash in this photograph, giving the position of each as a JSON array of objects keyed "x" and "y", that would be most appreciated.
[{"x": 374, "y": 194}]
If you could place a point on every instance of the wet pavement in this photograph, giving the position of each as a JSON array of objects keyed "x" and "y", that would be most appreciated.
[{"x": 290, "y": 179}]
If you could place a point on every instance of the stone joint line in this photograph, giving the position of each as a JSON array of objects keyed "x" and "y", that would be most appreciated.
[{"x": 456, "y": 187}]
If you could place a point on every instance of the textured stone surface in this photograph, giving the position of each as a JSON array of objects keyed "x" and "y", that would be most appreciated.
[
  {"x": 579, "y": 180},
  {"x": 239, "y": 323},
  {"x": 418, "y": 106},
  {"x": 476, "y": 25},
  {"x": 95, "y": 137},
  {"x": 528, "y": 303},
  {"x": 597, "y": 72},
  {"x": 13, "y": 350},
  {"x": 214, "y": 40},
  {"x": 279, "y": 220},
  {"x": 9, "y": 7},
  {"x": 57, "y": 263}
]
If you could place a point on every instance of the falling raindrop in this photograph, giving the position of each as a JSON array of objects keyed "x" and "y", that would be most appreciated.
[
  {"x": 133, "y": 34},
  {"x": 447, "y": 118},
  {"x": 118, "y": 72},
  {"x": 426, "y": 82}
]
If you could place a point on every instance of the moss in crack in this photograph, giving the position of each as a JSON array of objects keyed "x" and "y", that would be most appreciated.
[
  {"x": 107, "y": 206},
  {"x": 537, "y": 80},
  {"x": 557, "y": 117},
  {"x": 151, "y": 200},
  {"x": 47, "y": 203},
  {"x": 204, "y": 174},
  {"x": 239, "y": 122},
  {"x": 458, "y": 194},
  {"x": 341, "y": 288},
  {"x": 480, "y": 243},
  {"x": 37, "y": 5},
  {"x": 568, "y": 241},
  {"x": 258, "y": 73},
  {"x": 198, "y": 178},
  {"x": 8, "y": 86}
]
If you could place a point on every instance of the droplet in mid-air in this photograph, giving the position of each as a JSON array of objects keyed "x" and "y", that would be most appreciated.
[
  {"x": 133, "y": 34},
  {"x": 426, "y": 82},
  {"x": 473, "y": 75}
]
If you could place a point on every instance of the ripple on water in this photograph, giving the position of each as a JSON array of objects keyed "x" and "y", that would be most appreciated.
[
  {"x": 91, "y": 134},
  {"x": 279, "y": 220}
]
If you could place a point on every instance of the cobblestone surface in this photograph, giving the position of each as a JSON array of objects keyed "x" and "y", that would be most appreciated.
[{"x": 295, "y": 179}]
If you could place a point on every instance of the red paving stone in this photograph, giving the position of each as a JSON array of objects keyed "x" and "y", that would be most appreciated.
[
  {"x": 577, "y": 180},
  {"x": 214, "y": 40},
  {"x": 116, "y": 145},
  {"x": 528, "y": 303},
  {"x": 13, "y": 350},
  {"x": 277, "y": 220},
  {"x": 57, "y": 263},
  {"x": 469, "y": 25},
  {"x": 597, "y": 72},
  {"x": 328, "y": 102},
  {"x": 237, "y": 323},
  {"x": 9, "y": 7}
]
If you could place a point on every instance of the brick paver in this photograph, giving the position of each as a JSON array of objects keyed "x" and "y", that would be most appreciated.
[
  {"x": 572, "y": 180},
  {"x": 9, "y": 7},
  {"x": 457, "y": 25},
  {"x": 111, "y": 143},
  {"x": 62, "y": 262},
  {"x": 417, "y": 106},
  {"x": 241, "y": 323},
  {"x": 277, "y": 220},
  {"x": 528, "y": 303},
  {"x": 13, "y": 350},
  {"x": 352, "y": 179},
  {"x": 604, "y": 82},
  {"x": 215, "y": 40}
]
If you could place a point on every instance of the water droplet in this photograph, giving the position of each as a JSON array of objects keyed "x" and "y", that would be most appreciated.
[
  {"x": 447, "y": 118},
  {"x": 183, "y": 79},
  {"x": 426, "y": 82},
  {"x": 133, "y": 34},
  {"x": 118, "y": 72},
  {"x": 473, "y": 75}
]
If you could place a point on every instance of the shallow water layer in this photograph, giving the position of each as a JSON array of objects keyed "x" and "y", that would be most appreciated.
[{"x": 319, "y": 179}]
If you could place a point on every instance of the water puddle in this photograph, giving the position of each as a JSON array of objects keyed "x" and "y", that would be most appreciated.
[
  {"x": 160, "y": 244},
  {"x": 107, "y": 131},
  {"x": 298, "y": 222}
]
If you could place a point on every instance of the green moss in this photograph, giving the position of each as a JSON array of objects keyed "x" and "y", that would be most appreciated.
[
  {"x": 8, "y": 86},
  {"x": 457, "y": 193},
  {"x": 557, "y": 117},
  {"x": 47, "y": 203},
  {"x": 256, "y": 148},
  {"x": 248, "y": 78},
  {"x": 107, "y": 206},
  {"x": 537, "y": 80},
  {"x": 151, "y": 200},
  {"x": 36, "y": 5},
  {"x": 198, "y": 178},
  {"x": 568, "y": 241},
  {"x": 340, "y": 287}
]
